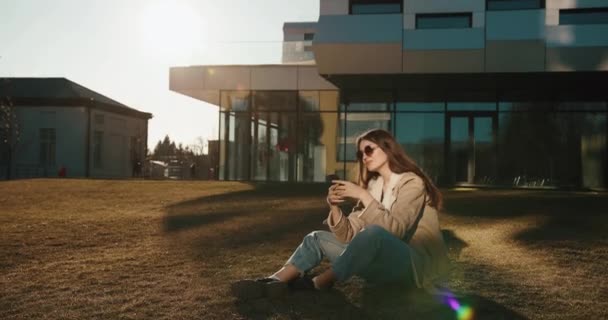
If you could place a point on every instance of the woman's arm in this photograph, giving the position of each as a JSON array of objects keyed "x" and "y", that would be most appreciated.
[
  {"x": 343, "y": 227},
  {"x": 401, "y": 217}
]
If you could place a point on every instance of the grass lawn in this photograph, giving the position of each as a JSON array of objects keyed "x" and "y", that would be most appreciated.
[{"x": 83, "y": 249}]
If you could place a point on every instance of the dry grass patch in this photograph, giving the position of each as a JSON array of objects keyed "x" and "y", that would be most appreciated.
[{"x": 74, "y": 249}]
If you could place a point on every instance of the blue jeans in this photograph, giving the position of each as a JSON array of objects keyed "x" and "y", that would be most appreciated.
[{"x": 373, "y": 254}]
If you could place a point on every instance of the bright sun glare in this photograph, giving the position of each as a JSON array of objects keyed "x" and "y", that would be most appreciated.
[{"x": 172, "y": 31}]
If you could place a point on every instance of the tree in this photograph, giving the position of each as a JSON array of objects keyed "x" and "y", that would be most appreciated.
[
  {"x": 199, "y": 146},
  {"x": 164, "y": 148}
]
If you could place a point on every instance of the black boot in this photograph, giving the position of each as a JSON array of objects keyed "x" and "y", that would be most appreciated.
[{"x": 247, "y": 289}]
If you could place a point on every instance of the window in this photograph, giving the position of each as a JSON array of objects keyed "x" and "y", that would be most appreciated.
[
  {"x": 97, "y": 149},
  {"x": 564, "y": 143},
  {"x": 234, "y": 101},
  {"x": 444, "y": 20},
  {"x": 361, "y": 116},
  {"x": 514, "y": 4},
  {"x": 376, "y": 7},
  {"x": 422, "y": 135},
  {"x": 584, "y": 16},
  {"x": 99, "y": 118},
  {"x": 47, "y": 146},
  {"x": 309, "y": 36}
]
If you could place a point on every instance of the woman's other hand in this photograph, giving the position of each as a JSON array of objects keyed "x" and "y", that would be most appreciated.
[
  {"x": 333, "y": 199},
  {"x": 347, "y": 189}
]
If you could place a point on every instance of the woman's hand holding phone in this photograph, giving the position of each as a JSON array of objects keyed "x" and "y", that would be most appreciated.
[{"x": 333, "y": 198}]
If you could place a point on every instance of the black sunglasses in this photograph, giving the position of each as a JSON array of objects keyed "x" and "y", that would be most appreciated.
[{"x": 368, "y": 150}]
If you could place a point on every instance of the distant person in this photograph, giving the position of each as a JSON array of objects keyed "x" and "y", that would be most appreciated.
[
  {"x": 63, "y": 172},
  {"x": 137, "y": 168},
  {"x": 193, "y": 171},
  {"x": 392, "y": 235}
]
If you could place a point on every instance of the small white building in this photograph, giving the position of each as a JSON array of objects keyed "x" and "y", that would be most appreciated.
[{"x": 65, "y": 128}]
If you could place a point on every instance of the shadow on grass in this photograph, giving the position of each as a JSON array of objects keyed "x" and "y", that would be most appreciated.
[
  {"x": 520, "y": 203},
  {"x": 453, "y": 243},
  {"x": 564, "y": 216},
  {"x": 296, "y": 224},
  {"x": 375, "y": 303},
  {"x": 265, "y": 190},
  {"x": 581, "y": 228},
  {"x": 217, "y": 208},
  {"x": 331, "y": 304},
  {"x": 418, "y": 304}
]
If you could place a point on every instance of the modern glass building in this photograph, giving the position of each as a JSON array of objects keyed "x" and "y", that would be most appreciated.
[{"x": 479, "y": 92}]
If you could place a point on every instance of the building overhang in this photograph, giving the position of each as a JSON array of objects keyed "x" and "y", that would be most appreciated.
[
  {"x": 206, "y": 83},
  {"x": 479, "y": 86}
]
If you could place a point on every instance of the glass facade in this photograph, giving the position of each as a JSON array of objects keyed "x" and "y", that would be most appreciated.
[
  {"x": 376, "y": 7},
  {"x": 420, "y": 129},
  {"x": 553, "y": 144},
  {"x": 277, "y": 135},
  {"x": 514, "y": 4},
  {"x": 583, "y": 16},
  {"x": 443, "y": 21},
  {"x": 307, "y": 135}
]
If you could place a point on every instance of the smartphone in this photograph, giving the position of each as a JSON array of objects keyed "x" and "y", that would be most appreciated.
[{"x": 331, "y": 177}]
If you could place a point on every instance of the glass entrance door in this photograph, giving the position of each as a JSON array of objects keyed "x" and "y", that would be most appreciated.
[{"x": 472, "y": 148}]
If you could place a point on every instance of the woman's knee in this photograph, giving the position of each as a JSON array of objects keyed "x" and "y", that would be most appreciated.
[
  {"x": 313, "y": 237},
  {"x": 370, "y": 237},
  {"x": 373, "y": 232}
]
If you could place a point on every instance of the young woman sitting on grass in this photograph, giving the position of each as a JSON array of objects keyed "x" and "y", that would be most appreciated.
[{"x": 392, "y": 235}]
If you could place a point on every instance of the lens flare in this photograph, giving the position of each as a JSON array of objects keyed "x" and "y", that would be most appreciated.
[{"x": 463, "y": 312}]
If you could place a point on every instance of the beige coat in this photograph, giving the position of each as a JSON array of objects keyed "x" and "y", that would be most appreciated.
[{"x": 398, "y": 213}]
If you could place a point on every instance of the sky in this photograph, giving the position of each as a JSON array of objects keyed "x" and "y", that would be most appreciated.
[{"x": 123, "y": 49}]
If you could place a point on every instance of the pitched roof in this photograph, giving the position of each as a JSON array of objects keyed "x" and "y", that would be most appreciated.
[{"x": 53, "y": 91}]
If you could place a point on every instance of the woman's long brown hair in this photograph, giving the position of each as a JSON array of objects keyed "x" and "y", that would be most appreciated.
[{"x": 398, "y": 162}]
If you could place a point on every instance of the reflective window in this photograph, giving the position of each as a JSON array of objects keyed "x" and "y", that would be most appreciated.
[
  {"x": 240, "y": 135},
  {"x": 368, "y": 106},
  {"x": 234, "y": 101},
  {"x": 514, "y": 4},
  {"x": 371, "y": 8},
  {"x": 312, "y": 147},
  {"x": 282, "y": 151},
  {"x": 552, "y": 106},
  {"x": 268, "y": 145},
  {"x": 422, "y": 137},
  {"x": 354, "y": 124},
  {"x": 484, "y": 151},
  {"x": 260, "y": 147},
  {"x": 471, "y": 106},
  {"x": 443, "y": 20},
  {"x": 460, "y": 150},
  {"x": 308, "y": 101},
  {"x": 222, "y": 147},
  {"x": 556, "y": 148},
  {"x": 583, "y": 16},
  {"x": 376, "y": 6},
  {"x": 420, "y": 106},
  {"x": 274, "y": 100}
]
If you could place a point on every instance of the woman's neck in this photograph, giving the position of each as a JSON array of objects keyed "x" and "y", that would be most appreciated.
[{"x": 386, "y": 174}]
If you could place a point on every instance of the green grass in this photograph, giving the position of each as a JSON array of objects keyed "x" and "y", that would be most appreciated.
[{"x": 75, "y": 249}]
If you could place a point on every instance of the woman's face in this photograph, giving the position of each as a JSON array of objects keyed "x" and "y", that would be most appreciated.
[{"x": 372, "y": 155}]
